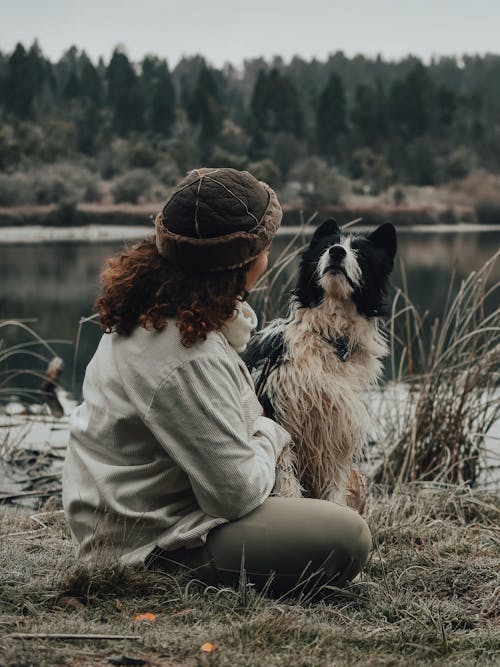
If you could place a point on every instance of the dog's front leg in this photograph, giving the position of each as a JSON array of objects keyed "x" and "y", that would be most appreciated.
[
  {"x": 356, "y": 491},
  {"x": 287, "y": 483},
  {"x": 334, "y": 496},
  {"x": 352, "y": 494}
]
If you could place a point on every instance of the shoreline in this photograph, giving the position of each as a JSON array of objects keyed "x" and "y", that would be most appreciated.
[
  {"x": 110, "y": 232},
  {"x": 79, "y": 214}
]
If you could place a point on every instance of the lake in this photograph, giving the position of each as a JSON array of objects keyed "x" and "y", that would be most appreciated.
[{"x": 52, "y": 285}]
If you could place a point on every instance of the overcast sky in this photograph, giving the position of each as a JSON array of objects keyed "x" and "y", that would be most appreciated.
[{"x": 232, "y": 30}]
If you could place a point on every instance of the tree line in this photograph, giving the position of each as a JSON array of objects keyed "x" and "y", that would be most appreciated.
[{"x": 379, "y": 121}]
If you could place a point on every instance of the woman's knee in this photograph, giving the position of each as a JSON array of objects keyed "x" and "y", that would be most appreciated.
[
  {"x": 357, "y": 539},
  {"x": 337, "y": 544},
  {"x": 346, "y": 538},
  {"x": 321, "y": 525}
]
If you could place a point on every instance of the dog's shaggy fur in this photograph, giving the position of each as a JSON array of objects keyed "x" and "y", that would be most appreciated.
[{"x": 315, "y": 365}]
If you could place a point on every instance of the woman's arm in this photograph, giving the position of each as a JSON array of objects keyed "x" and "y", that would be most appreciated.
[{"x": 197, "y": 416}]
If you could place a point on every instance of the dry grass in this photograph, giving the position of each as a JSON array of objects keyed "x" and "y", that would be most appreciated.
[
  {"x": 449, "y": 369},
  {"x": 14, "y": 370},
  {"x": 429, "y": 595}
]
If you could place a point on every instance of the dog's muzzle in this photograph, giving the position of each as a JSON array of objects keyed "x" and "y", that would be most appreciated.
[{"x": 337, "y": 255}]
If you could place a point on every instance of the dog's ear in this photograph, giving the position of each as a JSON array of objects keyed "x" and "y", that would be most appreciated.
[
  {"x": 327, "y": 228},
  {"x": 384, "y": 237}
]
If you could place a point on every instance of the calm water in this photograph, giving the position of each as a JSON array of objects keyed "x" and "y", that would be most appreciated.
[{"x": 56, "y": 283}]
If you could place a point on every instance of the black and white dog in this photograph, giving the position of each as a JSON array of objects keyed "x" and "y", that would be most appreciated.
[{"x": 313, "y": 367}]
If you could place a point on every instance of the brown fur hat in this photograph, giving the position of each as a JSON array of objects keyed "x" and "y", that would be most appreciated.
[{"x": 217, "y": 219}]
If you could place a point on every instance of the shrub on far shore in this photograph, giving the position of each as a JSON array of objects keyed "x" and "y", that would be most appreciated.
[
  {"x": 483, "y": 189},
  {"x": 266, "y": 170},
  {"x": 488, "y": 210},
  {"x": 49, "y": 184},
  {"x": 319, "y": 183},
  {"x": 137, "y": 185},
  {"x": 15, "y": 190}
]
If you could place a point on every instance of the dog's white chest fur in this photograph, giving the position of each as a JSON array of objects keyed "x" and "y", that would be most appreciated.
[{"x": 319, "y": 398}]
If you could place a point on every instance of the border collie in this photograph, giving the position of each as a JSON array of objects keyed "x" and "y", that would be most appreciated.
[{"x": 313, "y": 367}]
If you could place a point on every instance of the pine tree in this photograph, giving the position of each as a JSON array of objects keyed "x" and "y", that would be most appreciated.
[
  {"x": 205, "y": 111},
  {"x": 38, "y": 66},
  {"x": 88, "y": 125},
  {"x": 124, "y": 94},
  {"x": 446, "y": 104},
  {"x": 91, "y": 84},
  {"x": 72, "y": 89},
  {"x": 21, "y": 84},
  {"x": 369, "y": 114},
  {"x": 410, "y": 102},
  {"x": 275, "y": 105},
  {"x": 159, "y": 91},
  {"x": 331, "y": 116}
]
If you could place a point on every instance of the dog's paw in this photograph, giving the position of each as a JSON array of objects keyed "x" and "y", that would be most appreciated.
[
  {"x": 287, "y": 488},
  {"x": 287, "y": 484},
  {"x": 356, "y": 491}
]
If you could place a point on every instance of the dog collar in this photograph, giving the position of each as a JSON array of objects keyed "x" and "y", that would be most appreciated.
[{"x": 340, "y": 345}]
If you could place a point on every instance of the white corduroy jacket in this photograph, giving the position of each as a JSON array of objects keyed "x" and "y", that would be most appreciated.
[{"x": 168, "y": 443}]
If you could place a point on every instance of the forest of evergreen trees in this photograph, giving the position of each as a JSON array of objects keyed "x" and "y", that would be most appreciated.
[{"x": 77, "y": 129}]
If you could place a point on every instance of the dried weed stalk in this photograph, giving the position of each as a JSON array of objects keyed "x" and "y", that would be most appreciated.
[
  {"x": 14, "y": 373},
  {"x": 447, "y": 374}
]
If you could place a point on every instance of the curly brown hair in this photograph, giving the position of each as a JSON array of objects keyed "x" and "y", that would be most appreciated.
[{"x": 141, "y": 288}]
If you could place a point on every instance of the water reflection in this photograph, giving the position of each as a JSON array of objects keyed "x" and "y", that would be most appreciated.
[{"x": 56, "y": 283}]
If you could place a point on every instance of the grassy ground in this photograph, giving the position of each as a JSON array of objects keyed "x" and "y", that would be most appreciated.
[{"x": 429, "y": 595}]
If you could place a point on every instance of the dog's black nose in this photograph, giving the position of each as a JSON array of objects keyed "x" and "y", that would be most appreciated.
[{"x": 337, "y": 252}]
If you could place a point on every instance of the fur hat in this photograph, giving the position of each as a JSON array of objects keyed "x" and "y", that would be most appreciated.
[{"x": 217, "y": 219}]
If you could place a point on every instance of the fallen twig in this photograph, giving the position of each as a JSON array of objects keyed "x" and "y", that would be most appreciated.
[
  {"x": 24, "y": 494},
  {"x": 35, "y": 518},
  {"x": 49, "y": 635},
  {"x": 37, "y": 478}
]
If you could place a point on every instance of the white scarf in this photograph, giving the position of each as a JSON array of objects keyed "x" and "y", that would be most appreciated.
[{"x": 239, "y": 328}]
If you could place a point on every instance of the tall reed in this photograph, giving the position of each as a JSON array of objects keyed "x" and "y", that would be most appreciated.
[
  {"x": 23, "y": 364},
  {"x": 445, "y": 395}
]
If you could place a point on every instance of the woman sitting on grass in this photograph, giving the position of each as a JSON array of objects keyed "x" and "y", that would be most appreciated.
[{"x": 171, "y": 462}]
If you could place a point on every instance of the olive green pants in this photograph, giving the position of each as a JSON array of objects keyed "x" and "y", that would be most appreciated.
[{"x": 285, "y": 545}]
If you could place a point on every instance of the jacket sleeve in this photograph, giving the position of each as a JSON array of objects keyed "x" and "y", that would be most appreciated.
[{"x": 197, "y": 416}]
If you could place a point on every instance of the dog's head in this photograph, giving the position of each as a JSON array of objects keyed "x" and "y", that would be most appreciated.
[{"x": 355, "y": 267}]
